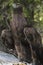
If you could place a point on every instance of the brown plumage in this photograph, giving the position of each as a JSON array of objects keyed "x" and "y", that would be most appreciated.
[
  {"x": 8, "y": 41},
  {"x": 17, "y": 26},
  {"x": 25, "y": 48},
  {"x": 34, "y": 38}
]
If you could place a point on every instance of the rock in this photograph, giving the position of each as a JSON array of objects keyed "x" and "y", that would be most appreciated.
[{"x": 9, "y": 59}]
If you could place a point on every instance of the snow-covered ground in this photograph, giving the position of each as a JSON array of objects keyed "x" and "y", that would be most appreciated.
[{"x": 9, "y": 59}]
